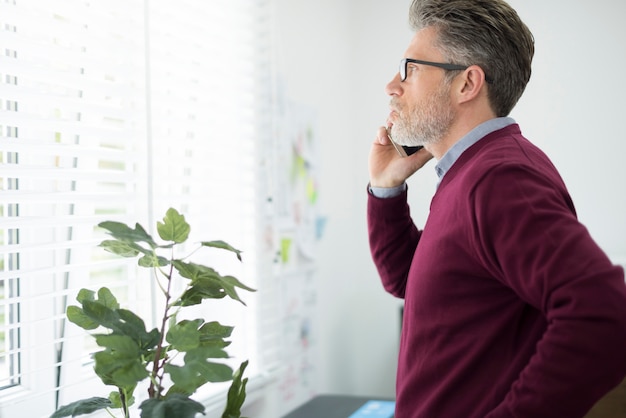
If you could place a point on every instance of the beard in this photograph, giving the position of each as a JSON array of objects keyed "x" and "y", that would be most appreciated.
[{"x": 426, "y": 123}]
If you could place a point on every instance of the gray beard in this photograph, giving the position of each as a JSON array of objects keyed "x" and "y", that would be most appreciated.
[
  {"x": 408, "y": 135},
  {"x": 426, "y": 124}
]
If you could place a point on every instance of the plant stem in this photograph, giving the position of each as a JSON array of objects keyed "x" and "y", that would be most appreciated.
[
  {"x": 124, "y": 402},
  {"x": 154, "y": 391}
]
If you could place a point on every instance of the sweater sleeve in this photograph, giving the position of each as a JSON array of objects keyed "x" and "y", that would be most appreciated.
[
  {"x": 528, "y": 236},
  {"x": 393, "y": 238}
]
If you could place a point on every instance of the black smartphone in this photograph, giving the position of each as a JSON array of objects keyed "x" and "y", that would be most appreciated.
[
  {"x": 411, "y": 150},
  {"x": 403, "y": 150}
]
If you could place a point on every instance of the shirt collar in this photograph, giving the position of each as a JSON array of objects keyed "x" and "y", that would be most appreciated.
[{"x": 467, "y": 141}]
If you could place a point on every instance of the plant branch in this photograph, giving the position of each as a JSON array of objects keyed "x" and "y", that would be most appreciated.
[
  {"x": 192, "y": 253},
  {"x": 154, "y": 391}
]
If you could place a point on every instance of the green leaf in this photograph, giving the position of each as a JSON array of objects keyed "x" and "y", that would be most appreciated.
[
  {"x": 222, "y": 245},
  {"x": 123, "y": 232},
  {"x": 184, "y": 336},
  {"x": 197, "y": 370},
  {"x": 120, "y": 364},
  {"x": 106, "y": 298},
  {"x": 200, "y": 290},
  {"x": 188, "y": 378},
  {"x": 215, "y": 330},
  {"x": 116, "y": 398},
  {"x": 85, "y": 294},
  {"x": 175, "y": 405},
  {"x": 153, "y": 260},
  {"x": 85, "y": 406},
  {"x": 102, "y": 314},
  {"x": 133, "y": 326},
  {"x": 78, "y": 317},
  {"x": 174, "y": 227},
  {"x": 200, "y": 344},
  {"x": 122, "y": 344},
  {"x": 192, "y": 271},
  {"x": 105, "y": 312},
  {"x": 93, "y": 309},
  {"x": 213, "y": 334},
  {"x": 131, "y": 321},
  {"x": 236, "y": 393},
  {"x": 206, "y": 283},
  {"x": 202, "y": 354},
  {"x": 230, "y": 283},
  {"x": 121, "y": 248},
  {"x": 236, "y": 283}
]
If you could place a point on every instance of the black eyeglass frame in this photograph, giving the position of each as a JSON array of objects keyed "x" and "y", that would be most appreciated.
[{"x": 446, "y": 66}]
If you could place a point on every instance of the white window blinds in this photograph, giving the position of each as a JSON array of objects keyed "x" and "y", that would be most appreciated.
[{"x": 117, "y": 110}]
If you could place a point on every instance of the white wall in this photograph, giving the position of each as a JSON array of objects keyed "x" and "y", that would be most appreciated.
[
  {"x": 337, "y": 55},
  {"x": 574, "y": 106}
]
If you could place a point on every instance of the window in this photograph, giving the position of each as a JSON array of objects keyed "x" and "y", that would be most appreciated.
[{"x": 117, "y": 110}]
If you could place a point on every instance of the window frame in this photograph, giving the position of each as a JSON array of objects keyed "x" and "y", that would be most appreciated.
[{"x": 37, "y": 389}]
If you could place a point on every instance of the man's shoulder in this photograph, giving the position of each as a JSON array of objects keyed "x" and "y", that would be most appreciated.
[
  {"x": 507, "y": 147},
  {"x": 505, "y": 153}
]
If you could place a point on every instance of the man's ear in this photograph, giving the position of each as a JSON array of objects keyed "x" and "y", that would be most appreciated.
[{"x": 471, "y": 83}]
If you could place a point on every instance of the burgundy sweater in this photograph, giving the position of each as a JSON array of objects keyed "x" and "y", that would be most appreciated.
[{"x": 510, "y": 308}]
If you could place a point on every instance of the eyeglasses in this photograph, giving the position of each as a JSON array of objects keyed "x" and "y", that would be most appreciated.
[
  {"x": 446, "y": 66},
  {"x": 405, "y": 61}
]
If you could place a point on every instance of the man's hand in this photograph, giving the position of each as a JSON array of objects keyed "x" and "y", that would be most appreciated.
[{"x": 387, "y": 167}]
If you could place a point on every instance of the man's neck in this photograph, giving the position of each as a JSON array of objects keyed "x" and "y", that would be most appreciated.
[{"x": 459, "y": 128}]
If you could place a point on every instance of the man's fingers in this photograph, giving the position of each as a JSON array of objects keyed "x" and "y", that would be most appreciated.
[{"x": 381, "y": 136}]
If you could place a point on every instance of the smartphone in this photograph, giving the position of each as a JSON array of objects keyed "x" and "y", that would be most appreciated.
[{"x": 403, "y": 150}]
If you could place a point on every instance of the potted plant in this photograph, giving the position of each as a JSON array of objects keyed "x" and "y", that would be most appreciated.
[{"x": 178, "y": 357}]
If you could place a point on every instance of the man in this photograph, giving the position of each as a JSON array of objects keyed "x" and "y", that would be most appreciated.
[{"x": 510, "y": 308}]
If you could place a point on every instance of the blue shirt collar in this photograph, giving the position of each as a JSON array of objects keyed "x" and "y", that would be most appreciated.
[{"x": 467, "y": 141}]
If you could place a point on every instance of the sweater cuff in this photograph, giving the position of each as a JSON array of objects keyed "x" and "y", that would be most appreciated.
[{"x": 386, "y": 192}]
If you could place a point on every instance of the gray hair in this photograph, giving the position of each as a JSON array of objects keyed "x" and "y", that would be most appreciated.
[{"x": 487, "y": 33}]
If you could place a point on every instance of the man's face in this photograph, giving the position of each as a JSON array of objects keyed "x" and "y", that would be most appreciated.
[{"x": 421, "y": 111}]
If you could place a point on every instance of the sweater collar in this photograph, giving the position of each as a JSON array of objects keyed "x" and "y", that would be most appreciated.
[{"x": 467, "y": 141}]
